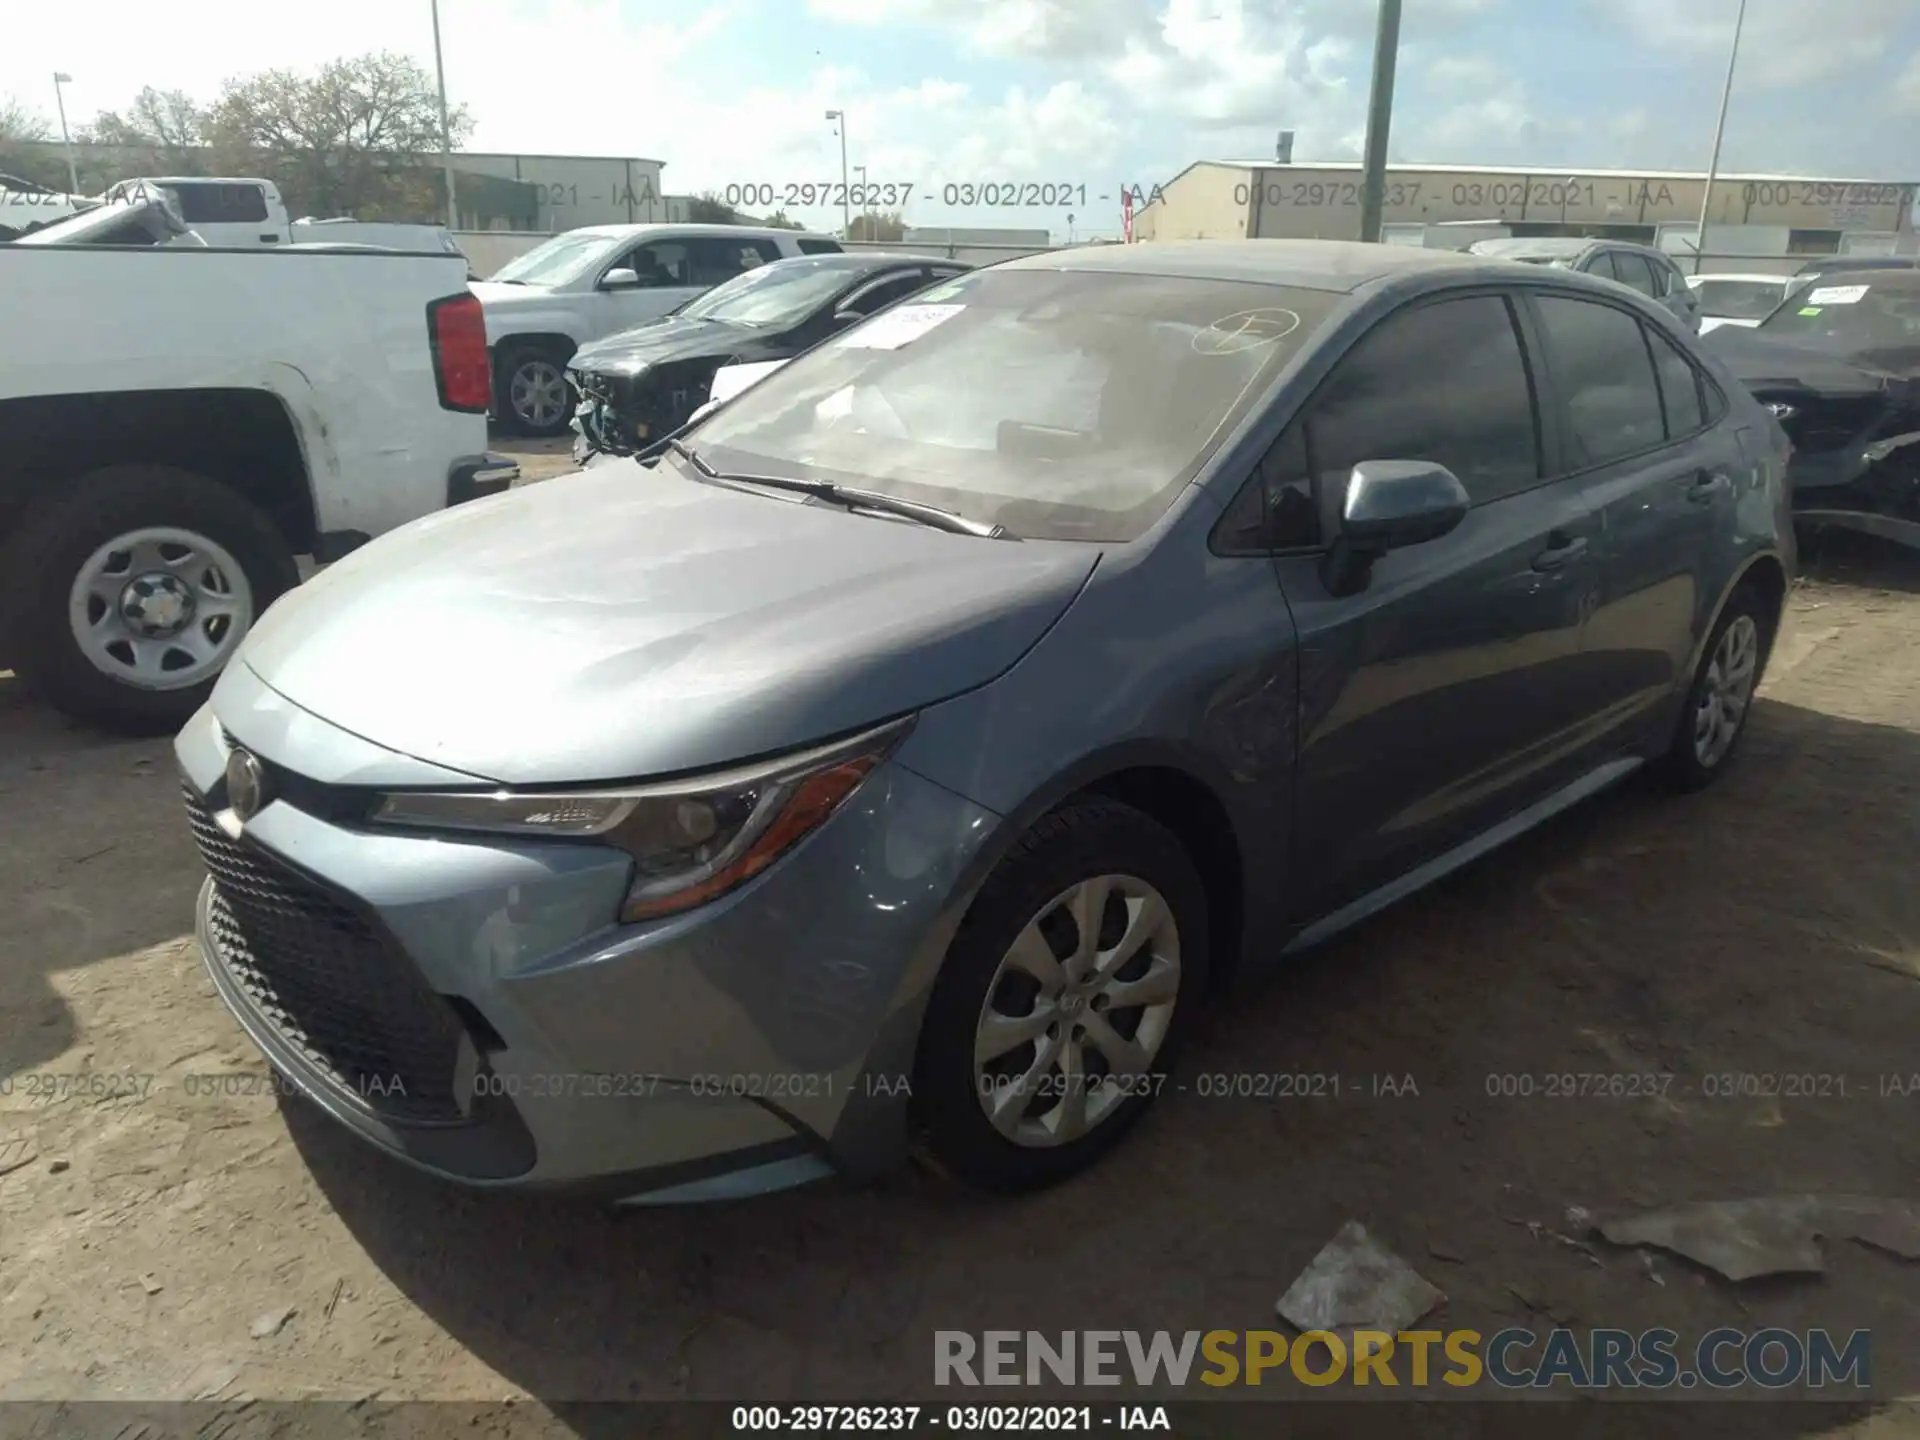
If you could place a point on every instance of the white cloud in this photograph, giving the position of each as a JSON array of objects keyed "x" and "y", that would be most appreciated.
[{"x": 1783, "y": 43}]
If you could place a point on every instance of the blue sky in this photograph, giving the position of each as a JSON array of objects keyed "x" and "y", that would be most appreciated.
[{"x": 1089, "y": 92}]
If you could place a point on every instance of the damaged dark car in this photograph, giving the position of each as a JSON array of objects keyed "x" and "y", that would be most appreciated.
[
  {"x": 645, "y": 383},
  {"x": 1838, "y": 366}
]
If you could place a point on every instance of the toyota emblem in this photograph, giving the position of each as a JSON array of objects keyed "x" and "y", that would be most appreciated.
[{"x": 246, "y": 784}]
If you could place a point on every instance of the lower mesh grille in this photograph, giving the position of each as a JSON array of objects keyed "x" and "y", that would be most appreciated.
[{"x": 327, "y": 983}]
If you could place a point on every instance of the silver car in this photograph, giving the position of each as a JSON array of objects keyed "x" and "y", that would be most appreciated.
[
  {"x": 1644, "y": 268},
  {"x": 904, "y": 754}
]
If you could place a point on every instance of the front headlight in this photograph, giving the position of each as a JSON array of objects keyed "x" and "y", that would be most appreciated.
[{"x": 692, "y": 840}]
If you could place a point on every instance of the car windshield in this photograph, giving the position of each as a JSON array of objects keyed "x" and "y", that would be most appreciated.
[
  {"x": 557, "y": 261},
  {"x": 776, "y": 295},
  {"x": 1739, "y": 299},
  {"x": 1849, "y": 314},
  {"x": 1061, "y": 405}
]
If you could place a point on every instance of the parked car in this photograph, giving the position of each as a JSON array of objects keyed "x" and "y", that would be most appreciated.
[
  {"x": 1639, "y": 267},
  {"x": 646, "y": 382},
  {"x": 596, "y": 281},
  {"x": 907, "y": 754},
  {"x": 1739, "y": 300},
  {"x": 1824, "y": 264},
  {"x": 183, "y": 426},
  {"x": 1839, "y": 367}
]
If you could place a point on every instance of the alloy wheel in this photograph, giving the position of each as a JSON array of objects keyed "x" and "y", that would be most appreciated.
[
  {"x": 1726, "y": 692},
  {"x": 1077, "y": 1011},
  {"x": 160, "y": 608},
  {"x": 538, "y": 393}
]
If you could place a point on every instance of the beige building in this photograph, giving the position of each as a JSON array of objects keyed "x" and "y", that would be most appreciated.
[{"x": 1753, "y": 216}]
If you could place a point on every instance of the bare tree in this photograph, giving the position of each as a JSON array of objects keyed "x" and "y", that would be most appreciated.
[
  {"x": 170, "y": 126},
  {"x": 357, "y": 138},
  {"x": 20, "y": 129}
]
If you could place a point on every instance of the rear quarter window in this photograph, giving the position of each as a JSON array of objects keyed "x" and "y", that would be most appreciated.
[{"x": 819, "y": 247}]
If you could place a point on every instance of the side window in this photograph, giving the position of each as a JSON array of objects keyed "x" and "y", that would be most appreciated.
[
  {"x": 713, "y": 260},
  {"x": 1679, "y": 387},
  {"x": 768, "y": 251},
  {"x": 1443, "y": 381},
  {"x": 1633, "y": 271},
  {"x": 660, "y": 263},
  {"x": 819, "y": 247},
  {"x": 1605, "y": 375},
  {"x": 1666, "y": 277},
  {"x": 878, "y": 296},
  {"x": 1276, "y": 510},
  {"x": 203, "y": 204},
  {"x": 1601, "y": 264}
]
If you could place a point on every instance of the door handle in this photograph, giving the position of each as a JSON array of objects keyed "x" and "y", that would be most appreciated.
[
  {"x": 1706, "y": 485},
  {"x": 1562, "y": 550}
]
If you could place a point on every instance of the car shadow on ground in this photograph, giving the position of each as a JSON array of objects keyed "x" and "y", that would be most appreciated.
[
  {"x": 1846, "y": 557},
  {"x": 1767, "y": 927}
]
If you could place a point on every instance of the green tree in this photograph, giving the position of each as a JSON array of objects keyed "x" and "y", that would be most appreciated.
[
  {"x": 878, "y": 225},
  {"x": 360, "y": 137},
  {"x": 707, "y": 208}
]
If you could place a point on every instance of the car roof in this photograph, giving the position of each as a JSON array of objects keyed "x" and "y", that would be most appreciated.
[
  {"x": 1533, "y": 245},
  {"x": 667, "y": 229},
  {"x": 855, "y": 261},
  {"x": 1340, "y": 266},
  {"x": 1884, "y": 277},
  {"x": 1864, "y": 262},
  {"x": 1746, "y": 277}
]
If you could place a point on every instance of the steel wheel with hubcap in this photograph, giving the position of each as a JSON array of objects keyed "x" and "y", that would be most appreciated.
[
  {"x": 1077, "y": 1010},
  {"x": 160, "y": 608},
  {"x": 1062, "y": 999}
]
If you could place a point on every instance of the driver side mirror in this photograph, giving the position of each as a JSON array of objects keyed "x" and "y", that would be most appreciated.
[
  {"x": 623, "y": 278},
  {"x": 1390, "y": 505}
]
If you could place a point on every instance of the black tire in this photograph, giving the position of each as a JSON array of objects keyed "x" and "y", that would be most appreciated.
[
  {"x": 514, "y": 358},
  {"x": 1682, "y": 768},
  {"x": 1082, "y": 839},
  {"x": 53, "y": 545}
]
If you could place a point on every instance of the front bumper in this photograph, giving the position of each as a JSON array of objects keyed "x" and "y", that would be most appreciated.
[
  {"x": 756, "y": 1043},
  {"x": 477, "y": 476}
]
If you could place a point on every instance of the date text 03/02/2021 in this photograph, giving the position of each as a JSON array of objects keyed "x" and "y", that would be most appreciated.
[
  {"x": 987, "y": 193},
  {"x": 948, "y": 1419}
]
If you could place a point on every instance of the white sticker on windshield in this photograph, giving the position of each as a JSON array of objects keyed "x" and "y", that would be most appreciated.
[
  {"x": 895, "y": 327},
  {"x": 1837, "y": 295}
]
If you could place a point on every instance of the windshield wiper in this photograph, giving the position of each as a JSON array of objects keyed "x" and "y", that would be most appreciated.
[{"x": 852, "y": 499}]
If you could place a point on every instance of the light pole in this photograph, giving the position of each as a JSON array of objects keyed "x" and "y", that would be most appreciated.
[
  {"x": 1373, "y": 187},
  {"x": 846, "y": 210},
  {"x": 60, "y": 77},
  {"x": 446, "y": 130},
  {"x": 1719, "y": 134}
]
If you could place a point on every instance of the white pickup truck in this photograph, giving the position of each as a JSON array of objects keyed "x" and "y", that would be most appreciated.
[{"x": 177, "y": 425}]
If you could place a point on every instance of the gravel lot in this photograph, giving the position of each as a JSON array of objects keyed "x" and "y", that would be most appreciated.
[{"x": 1770, "y": 926}]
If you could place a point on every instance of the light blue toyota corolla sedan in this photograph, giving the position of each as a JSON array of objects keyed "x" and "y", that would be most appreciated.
[{"x": 902, "y": 754}]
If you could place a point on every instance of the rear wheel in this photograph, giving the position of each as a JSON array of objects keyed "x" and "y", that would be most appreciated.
[
  {"x": 133, "y": 592},
  {"x": 1721, "y": 697},
  {"x": 1063, "y": 999}
]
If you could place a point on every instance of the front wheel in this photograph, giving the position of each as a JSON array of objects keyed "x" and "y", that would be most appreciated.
[
  {"x": 533, "y": 394},
  {"x": 133, "y": 592},
  {"x": 1063, "y": 999}
]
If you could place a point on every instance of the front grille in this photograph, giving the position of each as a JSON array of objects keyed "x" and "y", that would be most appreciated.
[{"x": 327, "y": 983}]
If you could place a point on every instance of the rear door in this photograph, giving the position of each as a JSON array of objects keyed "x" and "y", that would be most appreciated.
[
  {"x": 1636, "y": 420},
  {"x": 1452, "y": 691}
]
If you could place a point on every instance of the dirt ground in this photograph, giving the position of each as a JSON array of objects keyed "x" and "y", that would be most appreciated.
[{"x": 172, "y": 1244}]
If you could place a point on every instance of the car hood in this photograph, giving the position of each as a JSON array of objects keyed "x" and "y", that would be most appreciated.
[
  {"x": 624, "y": 622},
  {"x": 1759, "y": 360},
  {"x": 661, "y": 341}
]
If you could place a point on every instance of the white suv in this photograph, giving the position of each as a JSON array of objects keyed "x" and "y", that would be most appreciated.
[{"x": 597, "y": 281}]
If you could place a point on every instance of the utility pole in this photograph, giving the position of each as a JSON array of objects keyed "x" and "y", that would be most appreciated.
[
  {"x": 1373, "y": 187},
  {"x": 446, "y": 130},
  {"x": 60, "y": 77},
  {"x": 846, "y": 209},
  {"x": 1719, "y": 134}
]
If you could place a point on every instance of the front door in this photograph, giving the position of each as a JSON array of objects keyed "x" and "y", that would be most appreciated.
[{"x": 1451, "y": 692}]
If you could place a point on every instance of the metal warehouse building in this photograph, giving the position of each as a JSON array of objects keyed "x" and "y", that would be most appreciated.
[{"x": 1754, "y": 217}]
